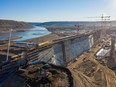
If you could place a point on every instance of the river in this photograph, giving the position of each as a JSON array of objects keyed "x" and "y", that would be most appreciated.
[{"x": 27, "y": 33}]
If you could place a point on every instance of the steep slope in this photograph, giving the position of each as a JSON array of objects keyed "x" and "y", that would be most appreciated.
[
  {"x": 5, "y": 25},
  {"x": 88, "y": 72},
  {"x": 85, "y": 71}
]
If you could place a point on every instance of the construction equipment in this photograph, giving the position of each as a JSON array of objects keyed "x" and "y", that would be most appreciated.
[
  {"x": 105, "y": 24},
  {"x": 104, "y": 21}
]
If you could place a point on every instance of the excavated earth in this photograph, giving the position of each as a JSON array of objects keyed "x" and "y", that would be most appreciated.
[{"x": 85, "y": 71}]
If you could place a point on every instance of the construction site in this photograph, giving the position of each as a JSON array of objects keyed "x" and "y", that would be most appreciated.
[{"x": 85, "y": 59}]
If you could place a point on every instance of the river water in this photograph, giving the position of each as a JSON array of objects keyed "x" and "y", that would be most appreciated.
[{"x": 27, "y": 34}]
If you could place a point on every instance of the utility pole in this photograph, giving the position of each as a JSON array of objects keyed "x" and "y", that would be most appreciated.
[
  {"x": 78, "y": 28},
  {"x": 8, "y": 45}
]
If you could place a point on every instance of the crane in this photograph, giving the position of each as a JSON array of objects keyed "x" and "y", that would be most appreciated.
[{"x": 104, "y": 21}]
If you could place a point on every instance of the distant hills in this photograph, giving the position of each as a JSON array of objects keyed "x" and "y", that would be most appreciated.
[
  {"x": 72, "y": 23},
  {"x": 5, "y": 25},
  {"x": 63, "y": 23},
  {"x": 35, "y": 23},
  {"x": 57, "y": 26}
]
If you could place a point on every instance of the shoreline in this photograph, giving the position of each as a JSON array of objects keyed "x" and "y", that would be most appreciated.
[
  {"x": 51, "y": 36},
  {"x": 25, "y": 30}
]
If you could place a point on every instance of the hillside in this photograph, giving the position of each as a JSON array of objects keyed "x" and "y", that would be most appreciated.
[
  {"x": 88, "y": 72},
  {"x": 69, "y": 23},
  {"x": 84, "y": 71},
  {"x": 34, "y": 23},
  {"x": 72, "y": 23},
  {"x": 5, "y": 25}
]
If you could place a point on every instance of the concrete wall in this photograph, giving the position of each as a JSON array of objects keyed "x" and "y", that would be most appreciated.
[
  {"x": 67, "y": 50},
  {"x": 58, "y": 52},
  {"x": 74, "y": 47}
]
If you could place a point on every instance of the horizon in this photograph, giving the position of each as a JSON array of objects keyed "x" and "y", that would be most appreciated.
[
  {"x": 56, "y": 10},
  {"x": 56, "y": 21}
]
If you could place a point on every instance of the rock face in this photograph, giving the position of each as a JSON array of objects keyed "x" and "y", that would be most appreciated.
[{"x": 5, "y": 25}]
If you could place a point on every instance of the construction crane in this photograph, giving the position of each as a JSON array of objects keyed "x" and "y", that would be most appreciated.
[{"x": 104, "y": 21}]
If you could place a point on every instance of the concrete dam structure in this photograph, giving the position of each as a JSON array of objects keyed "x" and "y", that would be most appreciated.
[
  {"x": 62, "y": 51},
  {"x": 69, "y": 49}
]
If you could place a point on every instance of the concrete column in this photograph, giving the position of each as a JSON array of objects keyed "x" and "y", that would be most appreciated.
[
  {"x": 66, "y": 50},
  {"x": 112, "y": 51},
  {"x": 112, "y": 60}
]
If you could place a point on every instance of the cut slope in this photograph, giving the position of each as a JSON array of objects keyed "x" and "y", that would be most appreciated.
[{"x": 88, "y": 72}]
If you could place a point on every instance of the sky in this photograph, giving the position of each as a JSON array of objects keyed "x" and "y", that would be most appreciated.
[{"x": 56, "y": 10}]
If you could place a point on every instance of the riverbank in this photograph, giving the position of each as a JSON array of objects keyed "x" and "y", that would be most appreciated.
[
  {"x": 14, "y": 50},
  {"x": 26, "y": 34},
  {"x": 51, "y": 36}
]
